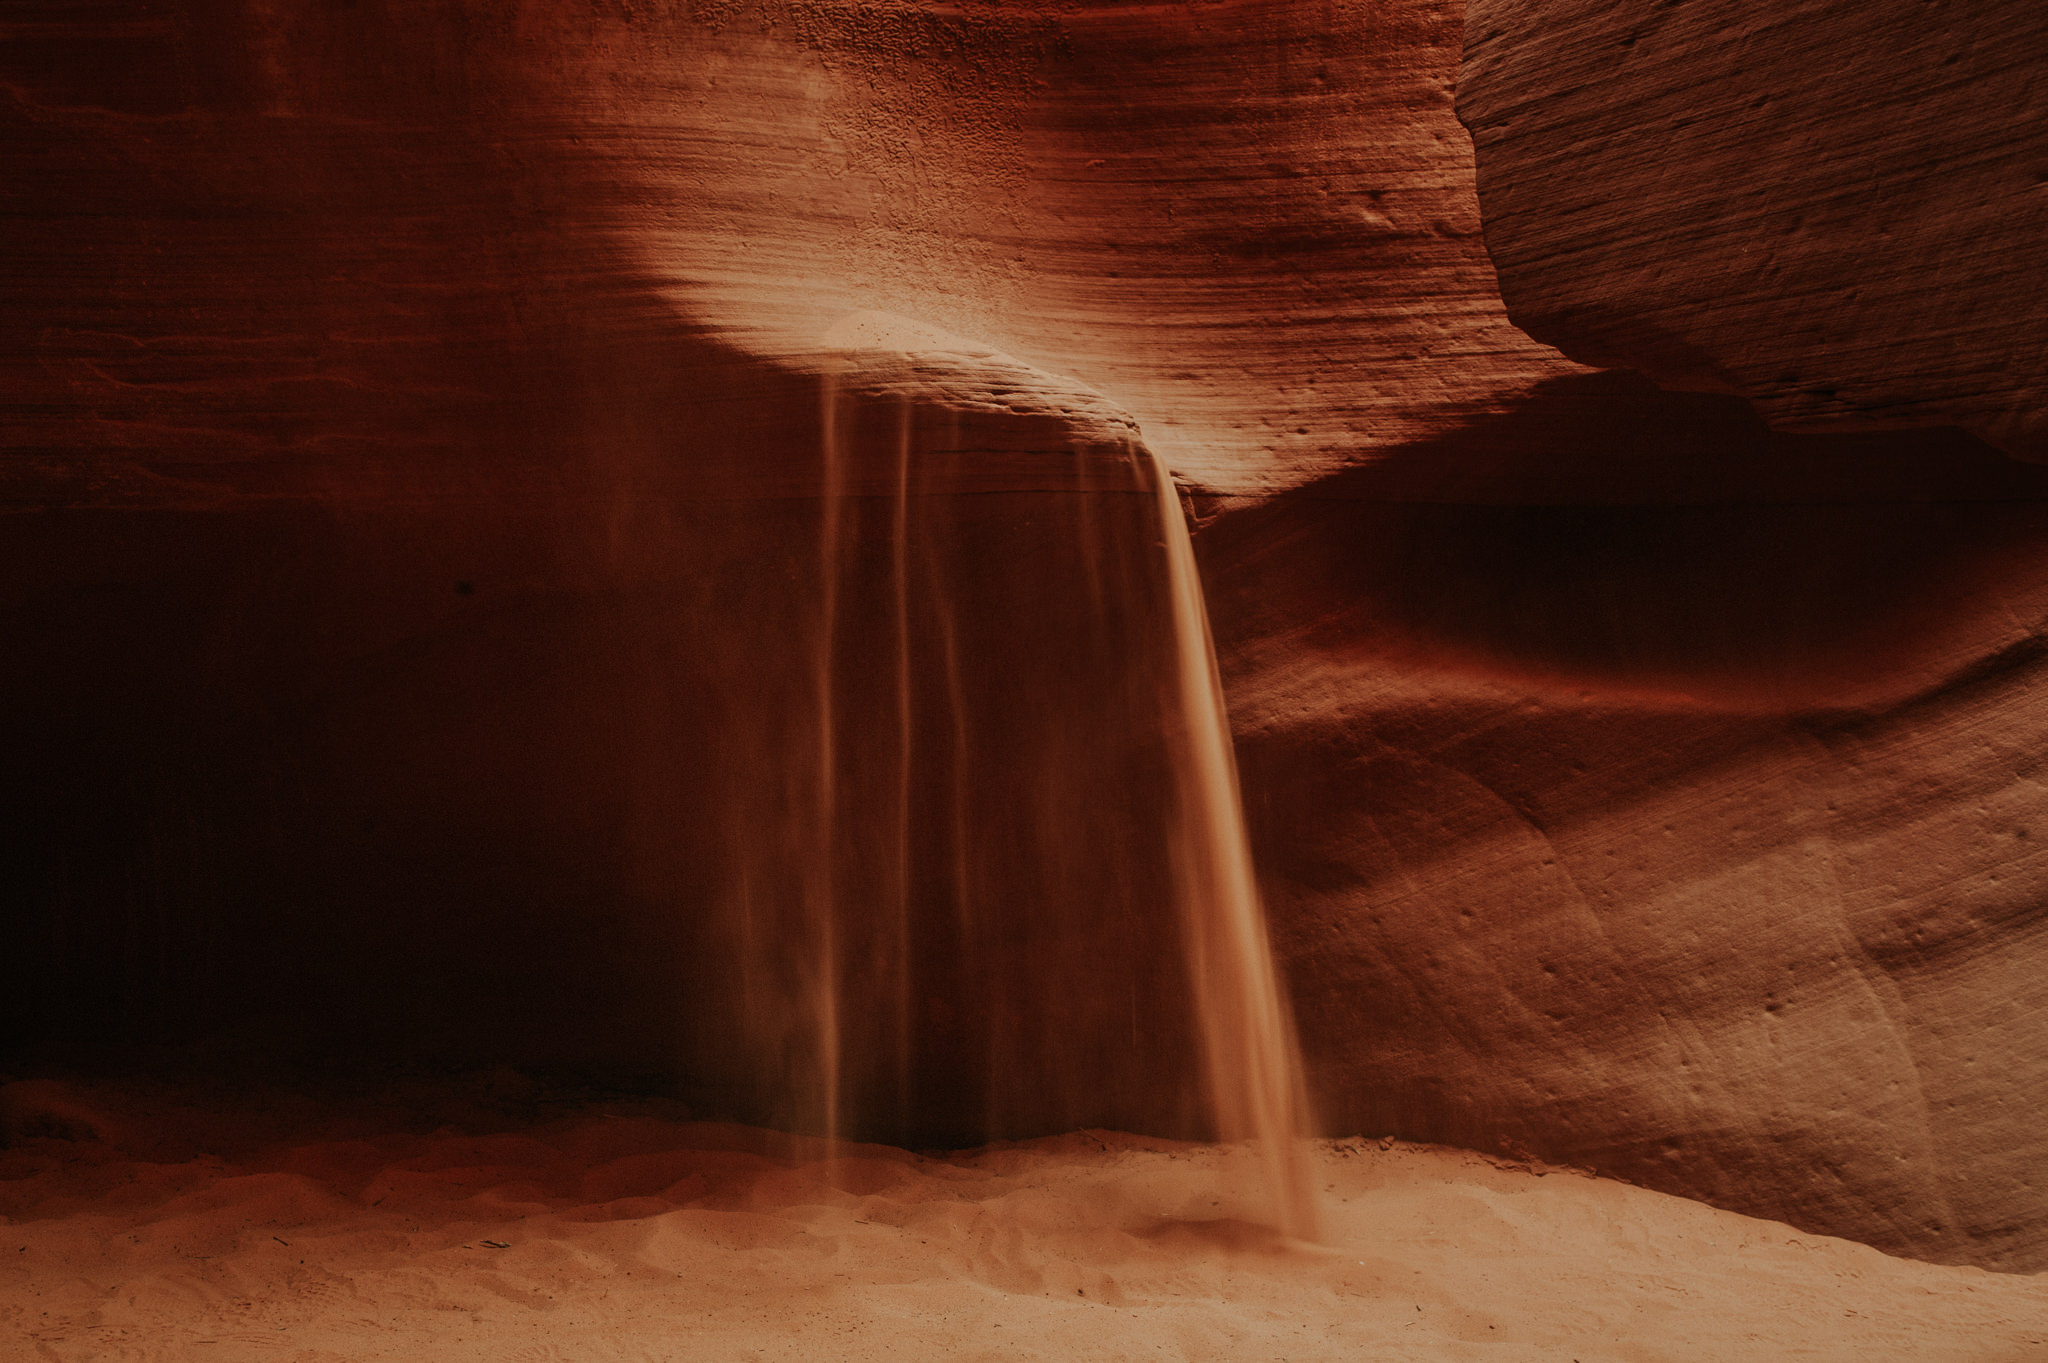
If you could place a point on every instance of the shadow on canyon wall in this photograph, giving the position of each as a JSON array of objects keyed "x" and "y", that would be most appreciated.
[
  {"x": 527, "y": 768},
  {"x": 1605, "y": 538}
]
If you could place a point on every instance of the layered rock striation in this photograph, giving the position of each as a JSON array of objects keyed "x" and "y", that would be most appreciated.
[
  {"x": 416, "y": 420},
  {"x": 1841, "y": 214}
]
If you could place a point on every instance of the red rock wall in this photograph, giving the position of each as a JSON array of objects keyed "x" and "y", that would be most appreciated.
[
  {"x": 1636, "y": 787},
  {"x": 1838, "y": 212},
  {"x": 1675, "y": 816},
  {"x": 1835, "y": 213}
]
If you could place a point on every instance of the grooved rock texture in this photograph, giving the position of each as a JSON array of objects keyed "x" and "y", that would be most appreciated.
[
  {"x": 349, "y": 253},
  {"x": 415, "y": 423},
  {"x": 1840, "y": 212},
  {"x": 1724, "y": 798}
]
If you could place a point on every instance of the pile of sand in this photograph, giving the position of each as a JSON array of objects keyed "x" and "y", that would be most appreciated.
[{"x": 176, "y": 1225}]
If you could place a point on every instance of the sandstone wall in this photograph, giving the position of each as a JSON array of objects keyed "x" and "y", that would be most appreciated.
[
  {"x": 1636, "y": 787},
  {"x": 1838, "y": 212}
]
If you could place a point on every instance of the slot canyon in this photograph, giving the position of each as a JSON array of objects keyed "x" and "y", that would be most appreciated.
[{"x": 1024, "y": 679}]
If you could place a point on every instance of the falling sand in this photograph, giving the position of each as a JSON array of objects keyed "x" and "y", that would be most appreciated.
[
  {"x": 990, "y": 874},
  {"x": 194, "y": 1228},
  {"x": 1252, "y": 1060}
]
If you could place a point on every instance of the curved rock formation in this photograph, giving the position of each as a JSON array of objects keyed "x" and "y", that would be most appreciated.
[
  {"x": 1840, "y": 213},
  {"x": 1678, "y": 820},
  {"x": 412, "y": 410}
]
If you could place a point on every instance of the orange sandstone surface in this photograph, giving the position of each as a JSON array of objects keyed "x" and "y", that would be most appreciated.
[
  {"x": 1839, "y": 214},
  {"x": 413, "y": 446}
]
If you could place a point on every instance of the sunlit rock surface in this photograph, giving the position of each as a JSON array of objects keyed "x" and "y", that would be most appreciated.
[
  {"x": 414, "y": 425},
  {"x": 303, "y": 245}
]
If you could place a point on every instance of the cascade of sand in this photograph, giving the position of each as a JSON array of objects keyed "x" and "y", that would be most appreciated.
[
  {"x": 821, "y": 888},
  {"x": 1250, "y": 1054},
  {"x": 957, "y": 829}
]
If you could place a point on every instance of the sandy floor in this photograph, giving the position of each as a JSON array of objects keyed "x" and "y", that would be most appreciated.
[{"x": 237, "y": 1230}]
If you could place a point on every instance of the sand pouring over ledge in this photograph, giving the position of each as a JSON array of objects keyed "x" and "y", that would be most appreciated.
[
  {"x": 224, "y": 1230},
  {"x": 1252, "y": 1059},
  {"x": 987, "y": 840}
]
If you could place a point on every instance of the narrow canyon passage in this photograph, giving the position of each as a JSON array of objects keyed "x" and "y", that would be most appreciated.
[{"x": 779, "y": 677}]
